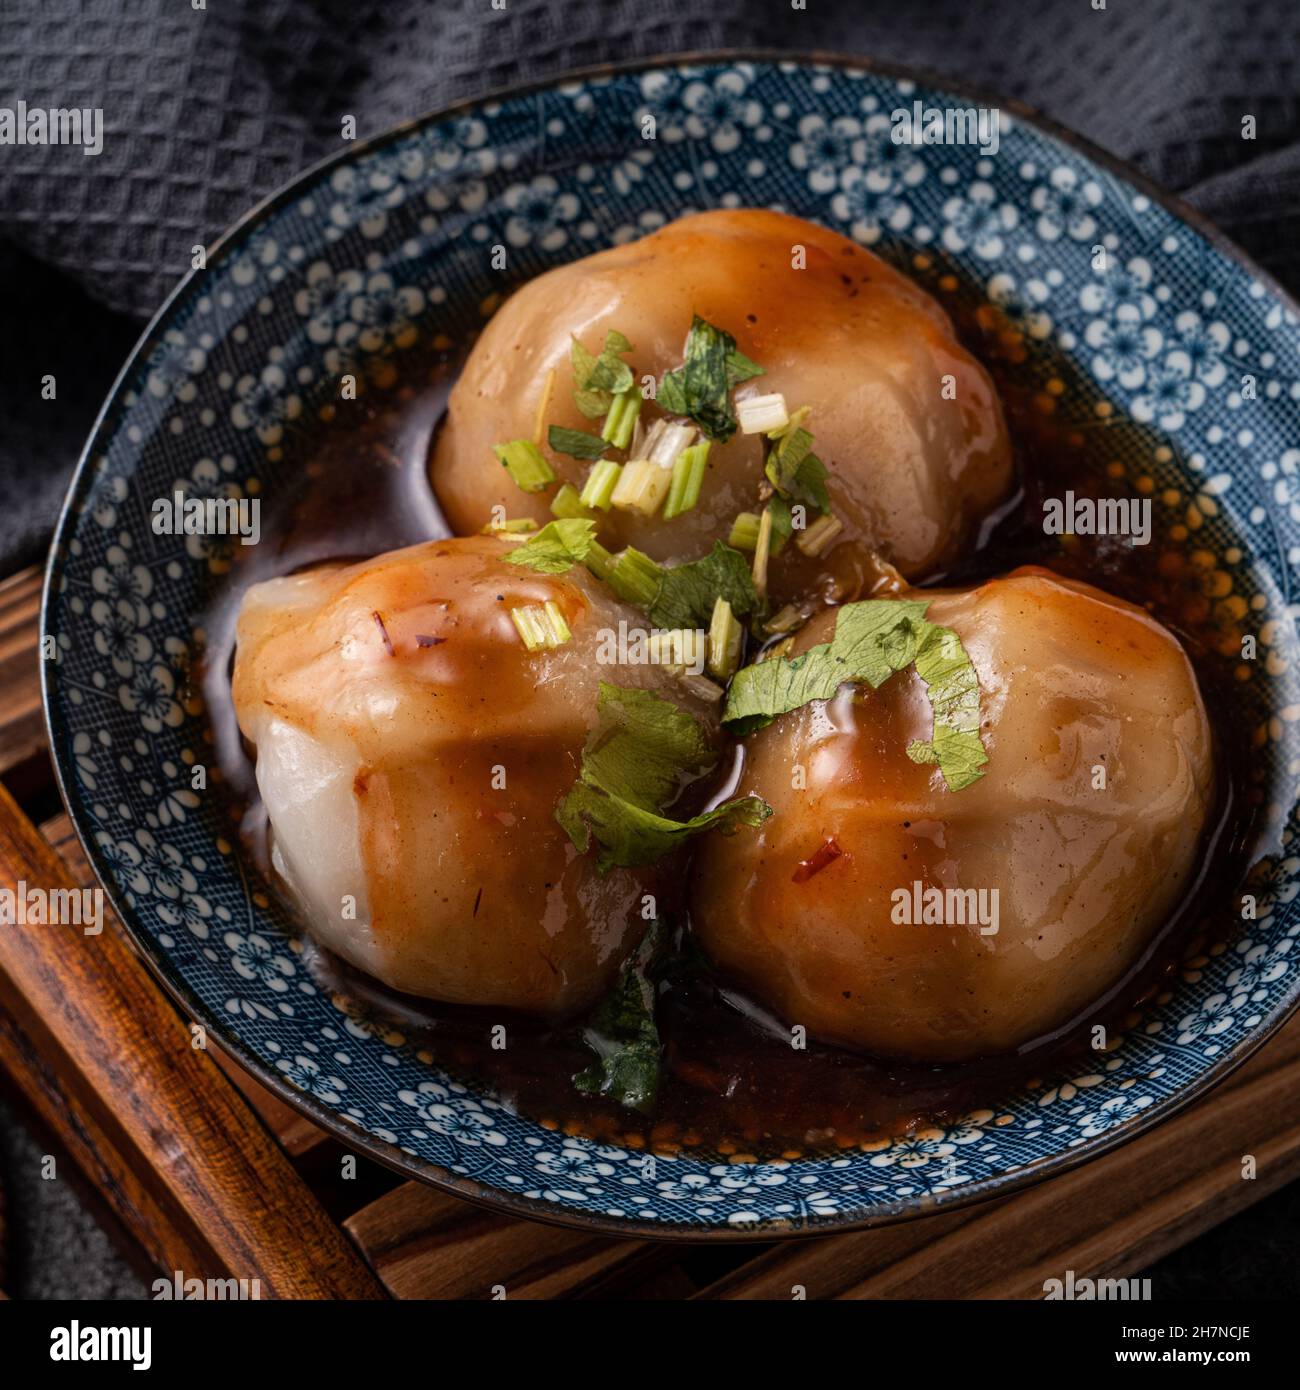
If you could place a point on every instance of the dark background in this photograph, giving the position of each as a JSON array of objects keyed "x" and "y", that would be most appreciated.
[{"x": 206, "y": 111}]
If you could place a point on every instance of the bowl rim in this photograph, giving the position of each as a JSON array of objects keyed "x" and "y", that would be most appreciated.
[{"x": 390, "y": 1155}]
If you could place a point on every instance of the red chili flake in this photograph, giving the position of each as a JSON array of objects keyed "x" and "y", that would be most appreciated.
[
  {"x": 383, "y": 632},
  {"x": 422, "y": 639},
  {"x": 828, "y": 853}
]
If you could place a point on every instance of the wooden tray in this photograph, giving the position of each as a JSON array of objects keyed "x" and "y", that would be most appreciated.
[{"x": 195, "y": 1167}]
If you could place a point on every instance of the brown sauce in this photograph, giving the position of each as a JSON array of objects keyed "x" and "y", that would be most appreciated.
[{"x": 731, "y": 1082}]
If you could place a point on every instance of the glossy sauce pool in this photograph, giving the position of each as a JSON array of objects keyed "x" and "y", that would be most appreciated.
[{"x": 731, "y": 1082}]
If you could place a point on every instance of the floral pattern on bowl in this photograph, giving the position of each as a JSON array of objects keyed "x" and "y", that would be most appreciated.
[{"x": 1188, "y": 360}]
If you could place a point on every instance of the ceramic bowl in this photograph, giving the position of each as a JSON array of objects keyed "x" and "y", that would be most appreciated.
[{"x": 1120, "y": 310}]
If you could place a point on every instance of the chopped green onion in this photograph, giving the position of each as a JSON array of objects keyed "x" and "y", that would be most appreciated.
[
  {"x": 666, "y": 441},
  {"x": 622, "y": 418},
  {"x": 762, "y": 414},
  {"x": 782, "y": 523},
  {"x": 567, "y": 505},
  {"x": 529, "y": 624},
  {"x": 540, "y": 625},
  {"x": 557, "y": 624},
  {"x": 702, "y": 688},
  {"x": 599, "y": 561},
  {"x": 781, "y": 648},
  {"x": 744, "y": 532},
  {"x": 526, "y": 464},
  {"x": 510, "y": 526},
  {"x": 598, "y": 490},
  {"x": 725, "y": 636},
  {"x": 642, "y": 487},
  {"x": 761, "y": 550},
  {"x": 786, "y": 620},
  {"x": 636, "y": 578},
  {"x": 795, "y": 422},
  {"x": 818, "y": 537},
  {"x": 687, "y": 480}
]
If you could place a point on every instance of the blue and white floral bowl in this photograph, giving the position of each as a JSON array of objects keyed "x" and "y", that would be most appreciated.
[{"x": 1190, "y": 364}]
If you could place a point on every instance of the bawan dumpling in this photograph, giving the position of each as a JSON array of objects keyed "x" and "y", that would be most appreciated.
[
  {"x": 1075, "y": 844},
  {"x": 907, "y": 423},
  {"x": 411, "y": 754}
]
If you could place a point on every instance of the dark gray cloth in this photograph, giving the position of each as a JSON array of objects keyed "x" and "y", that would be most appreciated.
[{"x": 206, "y": 111}]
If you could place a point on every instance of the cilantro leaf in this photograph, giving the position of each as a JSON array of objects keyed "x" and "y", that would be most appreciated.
[
  {"x": 809, "y": 484},
  {"x": 671, "y": 394},
  {"x": 873, "y": 639},
  {"x": 575, "y": 443},
  {"x": 795, "y": 471},
  {"x": 557, "y": 547},
  {"x": 700, "y": 388},
  {"x": 740, "y": 368},
  {"x": 688, "y": 592},
  {"x": 782, "y": 522},
  {"x": 596, "y": 380},
  {"x": 954, "y": 694},
  {"x": 621, "y": 1031},
  {"x": 633, "y": 765}
]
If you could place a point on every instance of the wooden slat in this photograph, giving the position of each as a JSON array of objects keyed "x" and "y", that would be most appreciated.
[
  {"x": 425, "y": 1244},
  {"x": 186, "y": 1165},
  {"x": 1110, "y": 1218},
  {"x": 294, "y": 1131},
  {"x": 22, "y": 728},
  {"x": 127, "y": 1191}
]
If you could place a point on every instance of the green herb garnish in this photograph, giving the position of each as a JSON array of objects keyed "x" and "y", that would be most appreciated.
[
  {"x": 620, "y": 423},
  {"x": 597, "y": 380},
  {"x": 726, "y": 639},
  {"x": 701, "y": 388},
  {"x": 526, "y": 464},
  {"x": 688, "y": 479},
  {"x": 872, "y": 641},
  {"x": 687, "y": 593},
  {"x": 567, "y": 504},
  {"x": 557, "y": 547},
  {"x": 678, "y": 596},
  {"x": 954, "y": 692},
  {"x": 621, "y": 1031},
  {"x": 575, "y": 443},
  {"x": 635, "y": 577},
  {"x": 633, "y": 766},
  {"x": 796, "y": 472},
  {"x": 782, "y": 522},
  {"x": 744, "y": 532},
  {"x": 540, "y": 625},
  {"x": 598, "y": 490}
]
